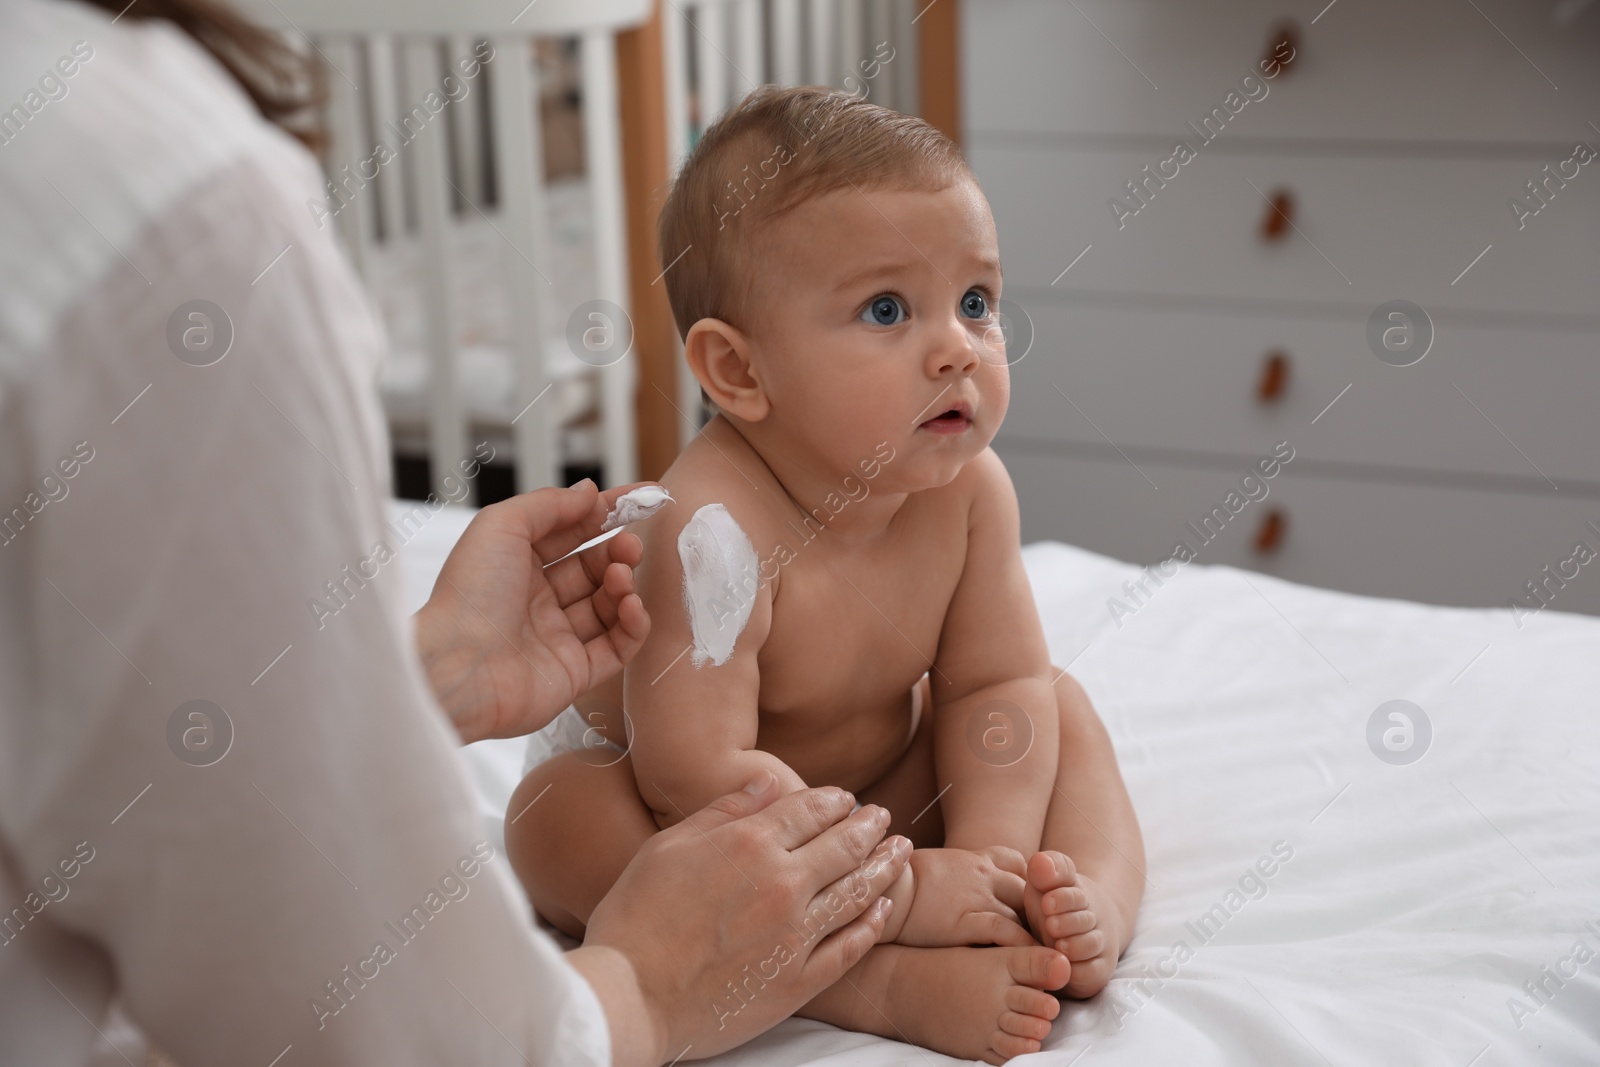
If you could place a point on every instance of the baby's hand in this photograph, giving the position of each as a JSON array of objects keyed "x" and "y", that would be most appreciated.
[{"x": 966, "y": 898}]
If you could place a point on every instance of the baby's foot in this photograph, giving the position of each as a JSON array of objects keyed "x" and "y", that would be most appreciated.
[
  {"x": 1072, "y": 913},
  {"x": 988, "y": 1004}
]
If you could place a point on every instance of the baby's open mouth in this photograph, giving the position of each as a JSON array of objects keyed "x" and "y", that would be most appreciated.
[{"x": 955, "y": 419}]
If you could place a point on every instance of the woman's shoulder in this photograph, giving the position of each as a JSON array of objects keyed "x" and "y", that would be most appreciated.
[{"x": 108, "y": 126}]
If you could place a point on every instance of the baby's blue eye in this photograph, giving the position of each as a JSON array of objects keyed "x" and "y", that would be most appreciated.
[
  {"x": 884, "y": 311},
  {"x": 973, "y": 305}
]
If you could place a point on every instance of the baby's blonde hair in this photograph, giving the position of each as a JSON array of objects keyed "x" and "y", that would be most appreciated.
[{"x": 776, "y": 150}]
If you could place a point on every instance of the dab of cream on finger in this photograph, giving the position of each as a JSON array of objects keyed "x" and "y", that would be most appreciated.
[
  {"x": 642, "y": 503},
  {"x": 719, "y": 580}
]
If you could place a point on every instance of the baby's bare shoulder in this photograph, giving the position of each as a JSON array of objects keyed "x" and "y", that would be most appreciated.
[
  {"x": 981, "y": 492},
  {"x": 717, "y": 469}
]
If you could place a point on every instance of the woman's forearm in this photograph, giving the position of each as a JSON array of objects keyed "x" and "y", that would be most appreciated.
[{"x": 638, "y": 1037}]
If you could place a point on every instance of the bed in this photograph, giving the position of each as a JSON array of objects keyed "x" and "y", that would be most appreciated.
[{"x": 1409, "y": 899}]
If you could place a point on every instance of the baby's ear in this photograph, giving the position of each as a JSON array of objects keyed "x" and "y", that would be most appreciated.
[{"x": 719, "y": 357}]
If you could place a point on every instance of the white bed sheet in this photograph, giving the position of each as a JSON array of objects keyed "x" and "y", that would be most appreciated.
[{"x": 1419, "y": 898}]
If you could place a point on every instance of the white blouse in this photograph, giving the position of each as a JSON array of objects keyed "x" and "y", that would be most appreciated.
[{"x": 239, "y": 823}]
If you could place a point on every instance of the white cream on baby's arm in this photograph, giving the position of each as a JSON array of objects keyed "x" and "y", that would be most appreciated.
[
  {"x": 693, "y": 691},
  {"x": 720, "y": 581}
]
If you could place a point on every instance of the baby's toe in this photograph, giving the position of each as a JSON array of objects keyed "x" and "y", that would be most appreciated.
[
  {"x": 1005, "y": 1047},
  {"x": 1008, "y": 1046},
  {"x": 1083, "y": 946},
  {"x": 1050, "y": 870},
  {"x": 1090, "y": 976},
  {"x": 1069, "y": 924},
  {"x": 1029, "y": 1026},
  {"x": 1039, "y": 968},
  {"x": 1066, "y": 898},
  {"x": 1021, "y": 1000}
]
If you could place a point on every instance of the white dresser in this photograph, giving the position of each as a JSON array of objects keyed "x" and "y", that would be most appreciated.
[{"x": 1190, "y": 310}]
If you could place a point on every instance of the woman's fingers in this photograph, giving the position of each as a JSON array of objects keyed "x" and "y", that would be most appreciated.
[
  {"x": 612, "y": 649},
  {"x": 553, "y": 521},
  {"x": 841, "y": 950},
  {"x": 576, "y": 577},
  {"x": 729, "y": 892},
  {"x": 799, "y": 817},
  {"x": 596, "y": 610},
  {"x": 756, "y": 796},
  {"x": 839, "y": 903}
]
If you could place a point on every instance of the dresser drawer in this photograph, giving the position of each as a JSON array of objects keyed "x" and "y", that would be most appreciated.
[
  {"x": 1496, "y": 403},
  {"x": 1422, "y": 69},
  {"x": 1364, "y": 230},
  {"x": 1428, "y": 543}
]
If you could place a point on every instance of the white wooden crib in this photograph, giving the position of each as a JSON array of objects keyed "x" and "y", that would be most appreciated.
[{"x": 478, "y": 264}]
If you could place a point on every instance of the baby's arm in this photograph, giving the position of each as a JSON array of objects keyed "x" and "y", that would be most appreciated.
[
  {"x": 694, "y": 727},
  {"x": 992, "y": 686}
]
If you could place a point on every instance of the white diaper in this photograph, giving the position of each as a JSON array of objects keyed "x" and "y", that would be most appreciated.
[
  {"x": 568, "y": 732},
  {"x": 916, "y": 711}
]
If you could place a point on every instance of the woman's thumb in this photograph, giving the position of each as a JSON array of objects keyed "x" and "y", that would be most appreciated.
[{"x": 757, "y": 794}]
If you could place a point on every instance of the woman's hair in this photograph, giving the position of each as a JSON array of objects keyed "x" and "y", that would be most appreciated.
[{"x": 284, "y": 84}]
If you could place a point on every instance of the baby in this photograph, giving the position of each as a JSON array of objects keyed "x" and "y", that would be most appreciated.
[{"x": 837, "y": 593}]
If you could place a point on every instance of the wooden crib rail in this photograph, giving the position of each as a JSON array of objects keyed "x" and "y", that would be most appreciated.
[
  {"x": 691, "y": 60},
  {"x": 480, "y": 18},
  {"x": 421, "y": 41}
]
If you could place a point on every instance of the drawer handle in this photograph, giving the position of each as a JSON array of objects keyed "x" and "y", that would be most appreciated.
[
  {"x": 1269, "y": 535},
  {"x": 1278, "y": 220},
  {"x": 1274, "y": 377},
  {"x": 1283, "y": 46}
]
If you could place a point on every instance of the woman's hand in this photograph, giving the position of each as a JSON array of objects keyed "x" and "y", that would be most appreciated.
[
  {"x": 725, "y": 924},
  {"x": 507, "y": 644}
]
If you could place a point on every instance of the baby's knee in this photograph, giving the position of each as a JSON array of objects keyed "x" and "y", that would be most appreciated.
[
  {"x": 534, "y": 817},
  {"x": 1070, "y": 696},
  {"x": 571, "y": 828}
]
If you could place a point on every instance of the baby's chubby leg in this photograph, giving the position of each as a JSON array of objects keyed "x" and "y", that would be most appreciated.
[
  {"x": 572, "y": 826},
  {"x": 1085, "y": 885},
  {"x": 977, "y": 1003},
  {"x": 985, "y": 1004},
  {"x": 909, "y": 787}
]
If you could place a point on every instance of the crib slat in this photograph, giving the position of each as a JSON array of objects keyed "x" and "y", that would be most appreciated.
[
  {"x": 447, "y": 424},
  {"x": 904, "y": 68},
  {"x": 675, "y": 72},
  {"x": 880, "y": 31},
  {"x": 786, "y": 40},
  {"x": 348, "y": 149},
  {"x": 603, "y": 152},
  {"x": 823, "y": 30},
  {"x": 851, "y": 22},
  {"x": 384, "y": 73},
  {"x": 675, "y": 30},
  {"x": 749, "y": 55},
  {"x": 711, "y": 61},
  {"x": 466, "y": 132},
  {"x": 524, "y": 219}
]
